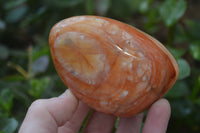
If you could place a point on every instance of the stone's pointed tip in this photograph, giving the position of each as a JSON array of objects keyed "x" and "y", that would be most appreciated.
[{"x": 111, "y": 66}]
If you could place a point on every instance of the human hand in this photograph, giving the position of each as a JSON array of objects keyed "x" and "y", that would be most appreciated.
[{"x": 66, "y": 113}]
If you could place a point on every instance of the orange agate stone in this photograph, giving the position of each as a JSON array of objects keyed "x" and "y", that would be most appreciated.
[{"x": 111, "y": 66}]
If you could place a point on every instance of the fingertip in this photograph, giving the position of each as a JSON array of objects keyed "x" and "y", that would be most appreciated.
[
  {"x": 158, "y": 117},
  {"x": 160, "y": 106},
  {"x": 69, "y": 97},
  {"x": 163, "y": 101},
  {"x": 67, "y": 93}
]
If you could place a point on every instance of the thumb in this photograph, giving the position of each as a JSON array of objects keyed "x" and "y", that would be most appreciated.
[{"x": 46, "y": 115}]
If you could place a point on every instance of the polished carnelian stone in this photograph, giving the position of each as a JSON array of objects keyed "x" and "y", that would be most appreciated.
[{"x": 111, "y": 66}]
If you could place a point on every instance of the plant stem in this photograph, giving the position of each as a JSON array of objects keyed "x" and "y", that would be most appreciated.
[
  {"x": 29, "y": 60},
  {"x": 19, "y": 69},
  {"x": 171, "y": 35}
]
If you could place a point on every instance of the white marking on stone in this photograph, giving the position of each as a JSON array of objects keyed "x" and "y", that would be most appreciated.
[
  {"x": 144, "y": 78},
  {"x": 57, "y": 30},
  {"x": 141, "y": 86},
  {"x": 130, "y": 78},
  {"x": 113, "y": 29},
  {"x": 101, "y": 22},
  {"x": 89, "y": 81},
  {"x": 130, "y": 65},
  {"x": 128, "y": 42},
  {"x": 124, "y": 94},
  {"x": 126, "y": 50},
  {"x": 140, "y": 72},
  {"x": 107, "y": 68},
  {"x": 126, "y": 35},
  {"x": 63, "y": 24},
  {"x": 70, "y": 21},
  {"x": 148, "y": 89},
  {"x": 75, "y": 73},
  {"x": 140, "y": 54},
  {"x": 129, "y": 54},
  {"x": 114, "y": 32},
  {"x": 82, "y": 37},
  {"x": 98, "y": 19},
  {"x": 124, "y": 64},
  {"x": 145, "y": 66},
  {"x": 78, "y": 18},
  {"x": 118, "y": 48}
]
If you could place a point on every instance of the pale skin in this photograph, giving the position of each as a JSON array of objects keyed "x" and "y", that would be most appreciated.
[{"x": 65, "y": 114}]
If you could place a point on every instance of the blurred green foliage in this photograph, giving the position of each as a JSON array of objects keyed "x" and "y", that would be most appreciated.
[{"x": 27, "y": 72}]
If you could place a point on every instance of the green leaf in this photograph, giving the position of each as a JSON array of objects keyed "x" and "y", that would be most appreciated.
[
  {"x": 152, "y": 22},
  {"x": 193, "y": 28},
  {"x": 4, "y": 52},
  {"x": 11, "y": 125},
  {"x": 196, "y": 90},
  {"x": 195, "y": 50},
  {"x": 179, "y": 89},
  {"x": 90, "y": 6},
  {"x": 38, "y": 51},
  {"x": 172, "y": 10},
  {"x": 40, "y": 65},
  {"x": 13, "y": 4},
  {"x": 33, "y": 18},
  {"x": 124, "y": 8},
  {"x": 177, "y": 53},
  {"x": 102, "y": 6},
  {"x": 184, "y": 69},
  {"x": 38, "y": 86},
  {"x": 180, "y": 34},
  {"x": 197, "y": 101},
  {"x": 133, "y": 5},
  {"x": 181, "y": 108},
  {"x": 64, "y": 3},
  {"x": 2, "y": 25},
  {"x": 144, "y": 5},
  {"x": 6, "y": 99},
  {"x": 16, "y": 14},
  {"x": 13, "y": 78}
]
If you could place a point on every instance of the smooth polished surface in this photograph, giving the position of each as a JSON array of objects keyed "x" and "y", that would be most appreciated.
[{"x": 111, "y": 66}]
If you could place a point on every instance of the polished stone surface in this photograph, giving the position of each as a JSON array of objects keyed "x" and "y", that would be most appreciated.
[{"x": 111, "y": 66}]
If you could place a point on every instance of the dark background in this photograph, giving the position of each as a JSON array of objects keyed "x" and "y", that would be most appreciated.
[{"x": 27, "y": 72}]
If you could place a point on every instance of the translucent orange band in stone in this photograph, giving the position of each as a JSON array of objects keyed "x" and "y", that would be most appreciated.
[{"x": 111, "y": 66}]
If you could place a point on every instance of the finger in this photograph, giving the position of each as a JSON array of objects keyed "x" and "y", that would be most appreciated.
[
  {"x": 44, "y": 116},
  {"x": 157, "y": 117},
  {"x": 130, "y": 124},
  {"x": 100, "y": 122},
  {"x": 74, "y": 124}
]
